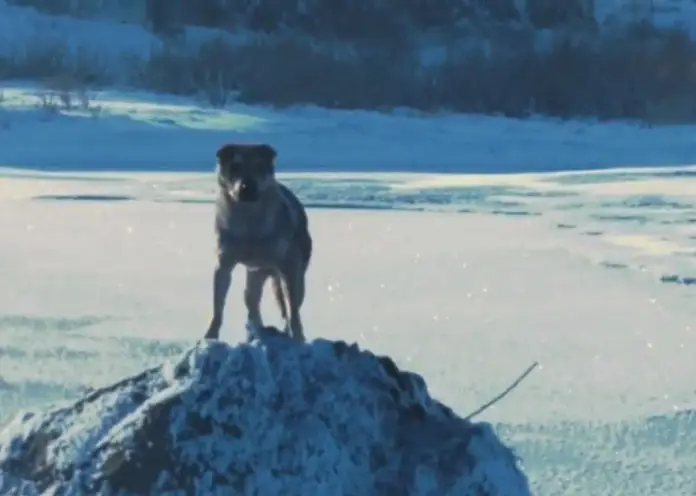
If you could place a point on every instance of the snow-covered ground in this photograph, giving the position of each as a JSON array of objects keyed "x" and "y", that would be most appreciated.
[
  {"x": 140, "y": 131},
  {"x": 106, "y": 273},
  {"x": 466, "y": 279}
]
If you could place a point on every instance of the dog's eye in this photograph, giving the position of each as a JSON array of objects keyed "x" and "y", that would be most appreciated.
[
  {"x": 263, "y": 166},
  {"x": 229, "y": 169}
]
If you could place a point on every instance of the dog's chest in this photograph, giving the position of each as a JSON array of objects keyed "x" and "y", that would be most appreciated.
[
  {"x": 253, "y": 240},
  {"x": 257, "y": 253}
]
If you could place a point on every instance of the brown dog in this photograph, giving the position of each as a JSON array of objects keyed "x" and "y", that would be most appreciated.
[{"x": 261, "y": 224}]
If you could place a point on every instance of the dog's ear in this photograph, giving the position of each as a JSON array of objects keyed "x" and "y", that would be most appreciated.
[
  {"x": 267, "y": 153},
  {"x": 228, "y": 153}
]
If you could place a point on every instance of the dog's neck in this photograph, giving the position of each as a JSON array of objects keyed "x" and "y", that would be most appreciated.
[{"x": 249, "y": 220}]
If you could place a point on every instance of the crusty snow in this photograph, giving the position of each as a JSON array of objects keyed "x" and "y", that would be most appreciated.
[{"x": 273, "y": 417}]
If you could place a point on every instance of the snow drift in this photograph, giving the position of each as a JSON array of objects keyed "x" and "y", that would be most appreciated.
[{"x": 268, "y": 417}]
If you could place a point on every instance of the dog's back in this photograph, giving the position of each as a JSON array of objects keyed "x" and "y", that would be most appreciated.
[{"x": 301, "y": 222}]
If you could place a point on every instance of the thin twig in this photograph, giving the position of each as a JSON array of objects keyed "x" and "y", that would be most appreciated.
[{"x": 504, "y": 393}]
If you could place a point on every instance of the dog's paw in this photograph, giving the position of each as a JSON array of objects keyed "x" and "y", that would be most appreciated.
[
  {"x": 253, "y": 329},
  {"x": 296, "y": 334},
  {"x": 213, "y": 331}
]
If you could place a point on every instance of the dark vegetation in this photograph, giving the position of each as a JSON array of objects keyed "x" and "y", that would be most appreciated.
[{"x": 478, "y": 56}]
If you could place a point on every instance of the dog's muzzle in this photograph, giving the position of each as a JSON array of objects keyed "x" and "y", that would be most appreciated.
[{"x": 248, "y": 190}]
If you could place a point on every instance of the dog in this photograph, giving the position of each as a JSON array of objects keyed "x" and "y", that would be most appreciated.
[{"x": 261, "y": 224}]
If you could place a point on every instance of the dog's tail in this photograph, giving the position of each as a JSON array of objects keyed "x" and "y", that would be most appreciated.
[{"x": 280, "y": 296}]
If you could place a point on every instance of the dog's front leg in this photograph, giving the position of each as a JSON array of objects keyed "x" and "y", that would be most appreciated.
[
  {"x": 255, "y": 280},
  {"x": 222, "y": 279}
]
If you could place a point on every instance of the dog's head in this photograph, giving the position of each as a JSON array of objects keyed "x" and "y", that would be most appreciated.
[{"x": 246, "y": 171}]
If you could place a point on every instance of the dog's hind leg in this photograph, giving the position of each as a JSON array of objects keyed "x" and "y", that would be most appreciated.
[
  {"x": 279, "y": 294},
  {"x": 293, "y": 278},
  {"x": 222, "y": 279},
  {"x": 255, "y": 280}
]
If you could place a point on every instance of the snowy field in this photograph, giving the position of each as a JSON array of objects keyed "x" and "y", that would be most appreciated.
[
  {"x": 141, "y": 131},
  {"x": 463, "y": 278}
]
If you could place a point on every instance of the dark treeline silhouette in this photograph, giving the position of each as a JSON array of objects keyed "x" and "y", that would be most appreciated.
[
  {"x": 356, "y": 19},
  {"x": 551, "y": 58}
]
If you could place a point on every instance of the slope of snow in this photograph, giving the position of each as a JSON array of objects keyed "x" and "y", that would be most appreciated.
[
  {"x": 23, "y": 29},
  {"x": 115, "y": 45},
  {"x": 135, "y": 131},
  {"x": 273, "y": 417}
]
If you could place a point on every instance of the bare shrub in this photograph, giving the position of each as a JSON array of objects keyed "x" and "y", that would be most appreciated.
[
  {"x": 66, "y": 74},
  {"x": 64, "y": 94},
  {"x": 73, "y": 93},
  {"x": 48, "y": 102}
]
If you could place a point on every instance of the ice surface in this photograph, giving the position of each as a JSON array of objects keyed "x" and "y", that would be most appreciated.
[
  {"x": 273, "y": 417},
  {"x": 106, "y": 274}
]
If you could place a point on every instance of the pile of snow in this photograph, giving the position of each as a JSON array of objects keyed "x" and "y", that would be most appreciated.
[{"x": 269, "y": 417}]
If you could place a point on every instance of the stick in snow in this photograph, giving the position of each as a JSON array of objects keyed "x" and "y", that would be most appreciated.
[{"x": 504, "y": 393}]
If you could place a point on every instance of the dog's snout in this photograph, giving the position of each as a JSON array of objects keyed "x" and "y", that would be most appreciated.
[{"x": 248, "y": 190}]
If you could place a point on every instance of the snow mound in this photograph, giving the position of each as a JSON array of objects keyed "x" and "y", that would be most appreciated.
[{"x": 268, "y": 417}]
